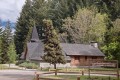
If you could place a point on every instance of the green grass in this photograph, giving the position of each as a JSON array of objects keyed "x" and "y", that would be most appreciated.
[
  {"x": 81, "y": 69},
  {"x": 2, "y": 67},
  {"x": 103, "y": 69},
  {"x": 64, "y": 69},
  {"x": 73, "y": 77}
]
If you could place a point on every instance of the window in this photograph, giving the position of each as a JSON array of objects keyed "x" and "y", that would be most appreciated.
[
  {"x": 85, "y": 57},
  {"x": 76, "y": 58}
]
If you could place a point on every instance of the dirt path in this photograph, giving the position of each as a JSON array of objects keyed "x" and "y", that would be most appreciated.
[{"x": 17, "y": 74}]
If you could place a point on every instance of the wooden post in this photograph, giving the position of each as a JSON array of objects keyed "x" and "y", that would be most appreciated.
[
  {"x": 78, "y": 78},
  {"x": 82, "y": 73},
  {"x": 66, "y": 69},
  {"x": 89, "y": 69},
  {"x": 37, "y": 76},
  {"x": 117, "y": 70},
  {"x": 109, "y": 78},
  {"x": 55, "y": 72}
]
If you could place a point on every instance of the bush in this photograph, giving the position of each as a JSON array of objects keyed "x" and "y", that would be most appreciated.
[
  {"x": 24, "y": 64},
  {"x": 32, "y": 66},
  {"x": 19, "y": 62},
  {"x": 29, "y": 65}
]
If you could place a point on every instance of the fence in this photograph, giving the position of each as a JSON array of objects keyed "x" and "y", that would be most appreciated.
[
  {"x": 93, "y": 63},
  {"x": 104, "y": 63},
  {"x": 80, "y": 77}
]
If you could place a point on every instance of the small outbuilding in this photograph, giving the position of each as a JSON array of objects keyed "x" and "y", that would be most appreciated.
[{"x": 75, "y": 54}]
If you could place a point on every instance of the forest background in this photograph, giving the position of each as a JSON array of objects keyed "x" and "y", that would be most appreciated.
[{"x": 75, "y": 21}]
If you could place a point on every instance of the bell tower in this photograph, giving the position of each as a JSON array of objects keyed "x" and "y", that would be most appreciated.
[{"x": 34, "y": 35}]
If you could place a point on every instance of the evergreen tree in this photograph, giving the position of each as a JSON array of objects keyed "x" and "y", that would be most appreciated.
[
  {"x": 0, "y": 51},
  {"x": 6, "y": 40},
  {"x": 52, "y": 48},
  {"x": 25, "y": 21},
  {"x": 11, "y": 53},
  {"x": 58, "y": 11},
  {"x": 113, "y": 7},
  {"x": 40, "y": 11},
  {"x": 0, "y": 27},
  {"x": 0, "y": 40}
]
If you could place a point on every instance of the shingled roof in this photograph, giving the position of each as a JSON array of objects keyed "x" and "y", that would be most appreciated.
[
  {"x": 35, "y": 51},
  {"x": 34, "y": 35},
  {"x": 80, "y": 50}
]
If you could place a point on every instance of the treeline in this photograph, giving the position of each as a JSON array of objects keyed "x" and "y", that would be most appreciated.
[
  {"x": 7, "y": 47},
  {"x": 76, "y": 21}
]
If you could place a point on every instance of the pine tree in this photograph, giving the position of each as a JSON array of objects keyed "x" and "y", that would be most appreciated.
[
  {"x": 11, "y": 53},
  {"x": 0, "y": 51},
  {"x": 40, "y": 11},
  {"x": 0, "y": 27},
  {"x": 58, "y": 11},
  {"x": 6, "y": 40},
  {"x": 0, "y": 40},
  {"x": 113, "y": 7},
  {"x": 52, "y": 48},
  {"x": 25, "y": 21}
]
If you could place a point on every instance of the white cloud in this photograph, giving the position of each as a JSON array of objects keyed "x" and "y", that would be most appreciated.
[
  {"x": 10, "y": 9},
  {"x": 13, "y": 30}
]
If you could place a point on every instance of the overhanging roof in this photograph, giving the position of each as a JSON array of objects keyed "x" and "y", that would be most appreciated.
[{"x": 80, "y": 49}]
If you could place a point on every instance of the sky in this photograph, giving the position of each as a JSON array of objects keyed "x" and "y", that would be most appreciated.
[{"x": 10, "y": 9}]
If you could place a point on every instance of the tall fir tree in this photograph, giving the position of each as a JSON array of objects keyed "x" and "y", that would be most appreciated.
[
  {"x": 40, "y": 10},
  {"x": 58, "y": 11},
  {"x": 0, "y": 50},
  {"x": 0, "y": 41},
  {"x": 6, "y": 40},
  {"x": 0, "y": 27},
  {"x": 12, "y": 56},
  {"x": 52, "y": 48},
  {"x": 25, "y": 21}
]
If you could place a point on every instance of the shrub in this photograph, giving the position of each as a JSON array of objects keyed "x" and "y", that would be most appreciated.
[
  {"x": 24, "y": 64},
  {"x": 29, "y": 65},
  {"x": 19, "y": 62}
]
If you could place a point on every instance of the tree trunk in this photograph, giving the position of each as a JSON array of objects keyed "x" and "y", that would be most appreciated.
[
  {"x": 55, "y": 66},
  {"x": 55, "y": 69},
  {"x": 9, "y": 65}
]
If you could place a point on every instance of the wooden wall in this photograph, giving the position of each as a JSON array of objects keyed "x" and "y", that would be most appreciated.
[{"x": 84, "y": 60}]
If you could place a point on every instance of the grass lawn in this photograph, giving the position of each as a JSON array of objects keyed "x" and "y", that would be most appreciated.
[
  {"x": 73, "y": 77},
  {"x": 79, "y": 69},
  {"x": 3, "y": 67},
  {"x": 103, "y": 69}
]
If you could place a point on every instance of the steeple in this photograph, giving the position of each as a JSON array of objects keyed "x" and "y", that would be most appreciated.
[{"x": 34, "y": 35}]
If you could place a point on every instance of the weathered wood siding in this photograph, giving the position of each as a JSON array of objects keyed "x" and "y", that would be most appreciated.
[{"x": 84, "y": 60}]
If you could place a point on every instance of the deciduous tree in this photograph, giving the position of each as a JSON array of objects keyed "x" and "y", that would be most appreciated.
[{"x": 85, "y": 25}]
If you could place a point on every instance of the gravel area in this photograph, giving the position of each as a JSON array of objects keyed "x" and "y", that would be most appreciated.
[{"x": 17, "y": 74}]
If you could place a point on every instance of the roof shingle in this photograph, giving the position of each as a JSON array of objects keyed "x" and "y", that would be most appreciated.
[{"x": 80, "y": 49}]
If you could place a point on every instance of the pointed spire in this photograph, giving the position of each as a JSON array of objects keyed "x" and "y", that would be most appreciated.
[{"x": 34, "y": 36}]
